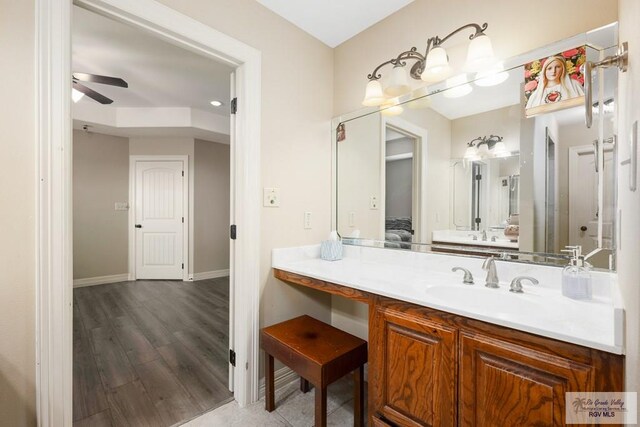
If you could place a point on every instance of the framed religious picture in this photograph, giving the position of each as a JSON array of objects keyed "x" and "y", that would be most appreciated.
[{"x": 554, "y": 83}]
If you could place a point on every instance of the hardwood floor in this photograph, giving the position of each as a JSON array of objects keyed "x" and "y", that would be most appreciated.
[{"x": 149, "y": 353}]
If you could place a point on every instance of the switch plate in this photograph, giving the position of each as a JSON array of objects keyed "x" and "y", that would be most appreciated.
[
  {"x": 121, "y": 206},
  {"x": 271, "y": 197},
  {"x": 352, "y": 219},
  {"x": 307, "y": 220},
  {"x": 373, "y": 202}
]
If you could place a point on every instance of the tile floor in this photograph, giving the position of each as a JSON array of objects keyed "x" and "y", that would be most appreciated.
[{"x": 293, "y": 409}]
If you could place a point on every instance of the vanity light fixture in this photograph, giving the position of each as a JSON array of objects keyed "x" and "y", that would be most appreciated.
[
  {"x": 483, "y": 146},
  {"x": 457, "y": 87},
  {"x": 431, "y": 67}
]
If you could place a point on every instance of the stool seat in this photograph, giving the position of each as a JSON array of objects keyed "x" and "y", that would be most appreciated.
[{"x": 320, "y": 354}]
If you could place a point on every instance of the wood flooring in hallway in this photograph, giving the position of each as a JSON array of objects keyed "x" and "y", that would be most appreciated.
[{"x": 149, "y": 353}]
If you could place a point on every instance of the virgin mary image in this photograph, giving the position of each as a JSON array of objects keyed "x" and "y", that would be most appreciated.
[{"x": 555, "y": 82}]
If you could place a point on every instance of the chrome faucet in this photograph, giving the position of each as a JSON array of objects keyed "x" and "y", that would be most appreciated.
[
  {"x": 516, "y": 284},
  {"x": 489, "y": 265},
  {"x": 468, "y": 277}
]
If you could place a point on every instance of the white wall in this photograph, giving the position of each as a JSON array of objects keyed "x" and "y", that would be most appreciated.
[
  {"x": 629, "y": 202},
  {"x": 100, "y": 179}
]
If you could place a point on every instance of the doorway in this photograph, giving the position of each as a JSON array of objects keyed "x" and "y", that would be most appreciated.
[{"x": 54, "y": 280}]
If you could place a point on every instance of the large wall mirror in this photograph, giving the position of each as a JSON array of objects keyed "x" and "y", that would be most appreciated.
[{"x": 482, "y": 165}]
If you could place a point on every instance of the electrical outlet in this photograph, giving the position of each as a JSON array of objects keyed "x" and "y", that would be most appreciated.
[
  {"x": 307, "y": 220},
  {"x": 271, "y": 197},
  {"x": 373, "y": 202},
  {"x": 352, "y": 219},
  {"x": 121, "y": 206}
]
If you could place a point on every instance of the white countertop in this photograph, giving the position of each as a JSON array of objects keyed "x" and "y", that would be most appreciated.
[
  {"x": 466, "y": 238},
  {"x": 426, "y": 279}
]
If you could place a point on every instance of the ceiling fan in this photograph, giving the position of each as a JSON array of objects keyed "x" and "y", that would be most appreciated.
[{"x": 94, "y": 78}]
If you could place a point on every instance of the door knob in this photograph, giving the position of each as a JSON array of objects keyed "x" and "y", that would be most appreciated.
[
  {"x": 583, "y": 228},
  {"x": 138, "y": 225}
]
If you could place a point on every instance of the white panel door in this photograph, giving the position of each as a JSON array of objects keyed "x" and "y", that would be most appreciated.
[{"x": 159, "y": 216}]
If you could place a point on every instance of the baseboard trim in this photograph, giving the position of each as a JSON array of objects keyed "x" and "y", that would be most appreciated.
[
  {"x": 282, "y": 377},
  {"x": 210, "y": 274},
  {"x": 100, "y": 280}
]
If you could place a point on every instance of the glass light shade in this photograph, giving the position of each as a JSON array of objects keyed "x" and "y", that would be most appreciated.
[
  {"x": 76, "y": 95},
  {"x": 483, "y": 150},
  {"x": 491, "y": 76},
  {"x": 457, "y": 87},
  {"x": 480, "y": 53},
  {"x": 398, "y": 82},
  {"x": 471, "y": 153},
  {"x": 420, "y": 98},
  {"x": 373, "y": 95},
  {"x": 436, "y": 66},
  {"x": 391, "y": 108},
  {"x": 500, "y": 150}
]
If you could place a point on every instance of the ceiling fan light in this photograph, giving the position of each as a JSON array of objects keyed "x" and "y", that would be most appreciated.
[
  {"x": 373, "y": 95},
  {"x": 436, "y": 66},
  {"x": 76, "y": 95},
  {"x": 480, "y": 53},
  {"x": 398, "y": 82}
]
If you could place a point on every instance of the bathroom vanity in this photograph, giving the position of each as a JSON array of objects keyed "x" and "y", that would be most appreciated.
[{"x": 445, "y": 353}]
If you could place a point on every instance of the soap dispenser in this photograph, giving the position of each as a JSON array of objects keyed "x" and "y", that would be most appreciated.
[{"x": 576, "y": 277}]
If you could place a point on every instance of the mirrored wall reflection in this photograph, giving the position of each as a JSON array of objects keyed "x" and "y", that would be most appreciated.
[{"x": 478, "y": 170}]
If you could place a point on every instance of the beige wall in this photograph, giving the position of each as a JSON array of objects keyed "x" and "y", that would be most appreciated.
[
  {"x": 211, "y": 205},
  {"x": 17, "y": 221},
  {"x": 629, "y": 202},
  {"x": 100, "y": 178}
]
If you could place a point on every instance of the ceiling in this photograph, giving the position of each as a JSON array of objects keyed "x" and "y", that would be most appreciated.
[
  {"x": 159, "y": 74},
  {"x": 334, "y": 21}
]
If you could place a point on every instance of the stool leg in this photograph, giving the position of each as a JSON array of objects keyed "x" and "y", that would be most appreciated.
[
  {"x": 269, "y": 398},
  {"x": 304, "y": 385},
  {"x": 358, "y": 397},
  {"x": 321, "y": 406}
]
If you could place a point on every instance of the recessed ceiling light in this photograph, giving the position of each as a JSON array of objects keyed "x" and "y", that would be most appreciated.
[{"x": 216, "y": 103}]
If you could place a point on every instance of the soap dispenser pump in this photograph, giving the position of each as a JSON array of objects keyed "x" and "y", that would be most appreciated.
[{"x": 576, "y": 277}]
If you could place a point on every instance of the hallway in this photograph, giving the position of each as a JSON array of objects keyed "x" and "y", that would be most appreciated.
[{"x": 149, "y": 352}]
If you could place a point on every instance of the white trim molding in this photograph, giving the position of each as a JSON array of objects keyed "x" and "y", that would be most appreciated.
[
  {"x": 214, "y": 274},
  {"x": 100, "y": 280},
  {"x": 54, "y": 211}
]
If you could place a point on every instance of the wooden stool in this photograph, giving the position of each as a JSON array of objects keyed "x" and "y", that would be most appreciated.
[{"x": 320, "y": 354}]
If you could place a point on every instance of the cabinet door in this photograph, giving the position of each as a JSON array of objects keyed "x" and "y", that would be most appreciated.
[
  {"x": 413, "y": 362},
  {"x": 504, "y": 384}
]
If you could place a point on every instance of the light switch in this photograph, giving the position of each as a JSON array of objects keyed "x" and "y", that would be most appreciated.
[
  {"x": 271, "y": 197},
  {"x": 307, "y": 220},
  {"x": 352, "y": 219}
]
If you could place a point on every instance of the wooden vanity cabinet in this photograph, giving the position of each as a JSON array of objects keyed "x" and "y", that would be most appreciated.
[{"x": 430, "y": 368}]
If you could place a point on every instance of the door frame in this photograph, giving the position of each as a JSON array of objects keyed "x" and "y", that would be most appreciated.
[
  {"x": 54, "y": 207},
  {"x": 187, "y": 202}
]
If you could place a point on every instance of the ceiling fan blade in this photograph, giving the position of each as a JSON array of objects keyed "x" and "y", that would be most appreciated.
[
  {"x": 105, "y": 80},
  {"x": 92, "y": 93}
]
